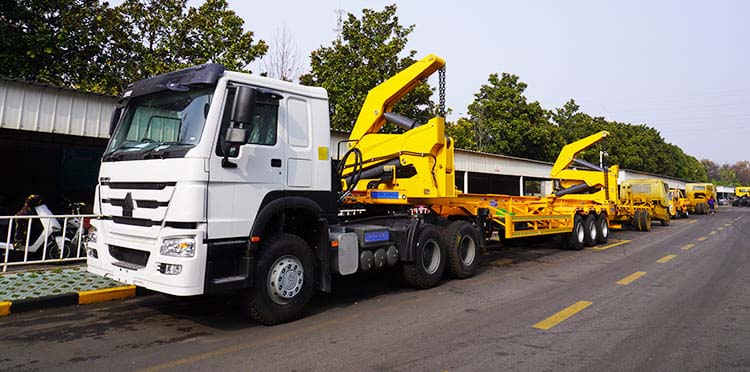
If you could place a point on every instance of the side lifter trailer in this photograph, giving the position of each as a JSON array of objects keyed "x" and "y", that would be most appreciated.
[{"x": 217, "y": 181}]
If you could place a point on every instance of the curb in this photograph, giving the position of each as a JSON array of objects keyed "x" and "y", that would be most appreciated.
[{"x": 67, "y": 299}]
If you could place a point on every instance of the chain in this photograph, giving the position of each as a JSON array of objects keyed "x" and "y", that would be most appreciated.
[{"x": 441, "y": 91}]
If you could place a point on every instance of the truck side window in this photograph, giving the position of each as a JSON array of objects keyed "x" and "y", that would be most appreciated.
[{"x": 263, "y": 130}]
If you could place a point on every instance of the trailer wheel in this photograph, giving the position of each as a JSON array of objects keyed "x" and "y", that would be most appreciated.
[
  {"x": 463, "y": 245},
  {"x": 646, "y": 222},
  {"x": 283, "y": 282},
  {"x": 576, "y": 237},
  {"x": 589, "y": 231},
  {"x": 602, "y": 228},
  {"x": 429, "y": 260}
]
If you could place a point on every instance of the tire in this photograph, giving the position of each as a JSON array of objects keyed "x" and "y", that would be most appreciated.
[
  {"x": 637, "y": 220},
  {"x": 665, "y": 222},
  {"x": 286, "y": 258},
  {"x": 53, "y": 249},
  {"x": 462, "y": 243},
  {"x": 589, "y": 231},
  {"x": 429, "y": 259},
  {"x": 576, "y": 237},
  {"x": 602, "y": 229},
  {"x": 646, "y": 222}
]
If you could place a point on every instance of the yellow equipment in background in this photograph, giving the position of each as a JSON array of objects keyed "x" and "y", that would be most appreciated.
[
  {"x": 678, "y": 204},
  {"x": 698, "y": 195}
]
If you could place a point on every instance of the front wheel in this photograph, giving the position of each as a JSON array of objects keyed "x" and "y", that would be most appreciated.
[
  {"x": 283, "y": 282},
  {"x": 429, "y": 260}
]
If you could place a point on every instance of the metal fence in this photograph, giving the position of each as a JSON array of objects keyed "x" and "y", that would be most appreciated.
[{"x": 47, "y": 239}]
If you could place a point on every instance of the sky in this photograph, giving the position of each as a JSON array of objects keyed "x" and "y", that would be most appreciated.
[{"x": 681, "y": 67}]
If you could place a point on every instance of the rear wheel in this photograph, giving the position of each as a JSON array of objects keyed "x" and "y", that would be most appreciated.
[
  {"x": 283, "y": 282},
  {"x": 429, "y": 260},
  {"x": 646, "y": 222},
  {"x": 637, "y": 220},
  {"x": 576, "y": 237},
  {"x": 589, "y": 231},
  {"x": 602, "y": 228},
  {"x": 462, "y": 243}
]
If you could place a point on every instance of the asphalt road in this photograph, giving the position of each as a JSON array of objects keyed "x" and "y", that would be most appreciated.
[{"x": 682, "y": 304}]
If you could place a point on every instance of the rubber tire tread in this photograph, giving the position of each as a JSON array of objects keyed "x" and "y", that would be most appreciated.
[
  {"x": 637, "y": 220},
  {"x": 256, "y": 303},
  {"x": 573, "y": 243},
  {"x": 588, "y": 240},
  {"x": 452, "y": 235},
  {"x": 646, "y": 223},
  {"x": 600, "y": 238},
  {"x": 413, "y": 272}
]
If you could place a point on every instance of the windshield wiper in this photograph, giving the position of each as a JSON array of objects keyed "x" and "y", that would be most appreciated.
[{"x": 165, "y": 150}]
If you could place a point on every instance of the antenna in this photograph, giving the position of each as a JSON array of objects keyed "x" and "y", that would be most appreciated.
[{"x": 339, "y": 21}]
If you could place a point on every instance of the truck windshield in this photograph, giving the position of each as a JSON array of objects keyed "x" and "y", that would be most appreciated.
[{"x": 160, "y": 125}]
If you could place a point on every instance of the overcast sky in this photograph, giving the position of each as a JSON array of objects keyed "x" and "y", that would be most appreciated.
[{"x": 679, "y": 66}]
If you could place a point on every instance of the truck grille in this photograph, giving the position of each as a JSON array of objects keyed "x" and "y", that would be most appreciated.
[{"x": 129, "y": 256}]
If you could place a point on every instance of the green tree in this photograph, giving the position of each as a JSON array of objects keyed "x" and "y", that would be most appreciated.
[
  {"x": 89, "y": 45},
  {"x": 366, "y": 55},
  {"x": 166, "y": 35},
  {"x": 502, "y": 121},
  {"x": 62, "y": 42}
]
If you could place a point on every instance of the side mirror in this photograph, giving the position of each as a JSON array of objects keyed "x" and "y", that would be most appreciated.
[
  {"x": 243, "y": 110},
  {"x": 114, "y": 120},
  {"x": 243, "y": 107}
]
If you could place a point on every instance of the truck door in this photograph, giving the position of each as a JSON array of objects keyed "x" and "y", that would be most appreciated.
[
  {"x": 299, "y": 152},
  {"x": 235, "y": 193}
]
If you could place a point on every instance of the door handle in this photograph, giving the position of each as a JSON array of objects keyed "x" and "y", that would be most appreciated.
[{"x": 276, "y": 163}]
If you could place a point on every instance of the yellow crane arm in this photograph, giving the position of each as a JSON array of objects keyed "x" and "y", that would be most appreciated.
[
  {"x": 569, "y": 152},
  {"x": 382, "y": 98}
]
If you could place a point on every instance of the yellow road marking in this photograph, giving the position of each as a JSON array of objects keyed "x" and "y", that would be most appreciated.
[
  {"x": 566, "y": 313},
  {"x": 4, "y": 308},
  {"x": 631, "y": 278},
  {"x": 687, "y": 246},
  {"x": 107, "y": 294},
  {"x": 721, "y": 228},
  {"x": 692, "y": 222},
  {"x": 611, "y": 245},
  {"x": 702, "y": 238},
  {"x": 712, "y": 233},
  {"x": 666, "y": 258}
]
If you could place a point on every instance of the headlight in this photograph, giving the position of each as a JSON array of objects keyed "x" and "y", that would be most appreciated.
[
  {"x": 92, "y": 235},
  {"x": 178, "y": 247}
]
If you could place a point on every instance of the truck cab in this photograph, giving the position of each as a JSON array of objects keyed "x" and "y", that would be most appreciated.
[{"x": 181, "y": 204}]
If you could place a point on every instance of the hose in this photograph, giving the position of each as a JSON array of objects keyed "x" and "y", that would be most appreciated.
[{"x": 356, "y": 172}]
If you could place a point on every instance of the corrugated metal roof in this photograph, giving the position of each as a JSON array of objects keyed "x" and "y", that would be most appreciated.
[{"x": 42, "y": 108}]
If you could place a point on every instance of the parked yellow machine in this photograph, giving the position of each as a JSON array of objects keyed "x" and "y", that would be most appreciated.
[
  {"x": 698, "y": 195},
  {"x": 678, "y": 204},
  {"x": 741, "y": 191},
  {"x": 644, "y": 200}
]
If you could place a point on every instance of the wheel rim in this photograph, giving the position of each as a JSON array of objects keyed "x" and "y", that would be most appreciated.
[
  {"x": 579, "y": 232},
  {"x": 467, "y": 250},
  {"x": 592, "y": 231},
  {"x": 605, "y": 228},
  {"x": 431, "y": 256},
  {"x": 285, "y": 279}
]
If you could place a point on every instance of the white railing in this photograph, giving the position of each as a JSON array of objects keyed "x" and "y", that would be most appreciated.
[{"x": 56, "y": 243}]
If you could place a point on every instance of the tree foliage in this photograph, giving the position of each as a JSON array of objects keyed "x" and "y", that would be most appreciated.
[
  {"x": 89, "y": 45},
  {"x": 501, "y": 120},
  {"x": 366, "y": 55},
  {"x": 737, "y": 174}
]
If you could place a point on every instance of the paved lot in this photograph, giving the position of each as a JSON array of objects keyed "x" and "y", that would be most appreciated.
[{"x": 674, "y": 299}]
